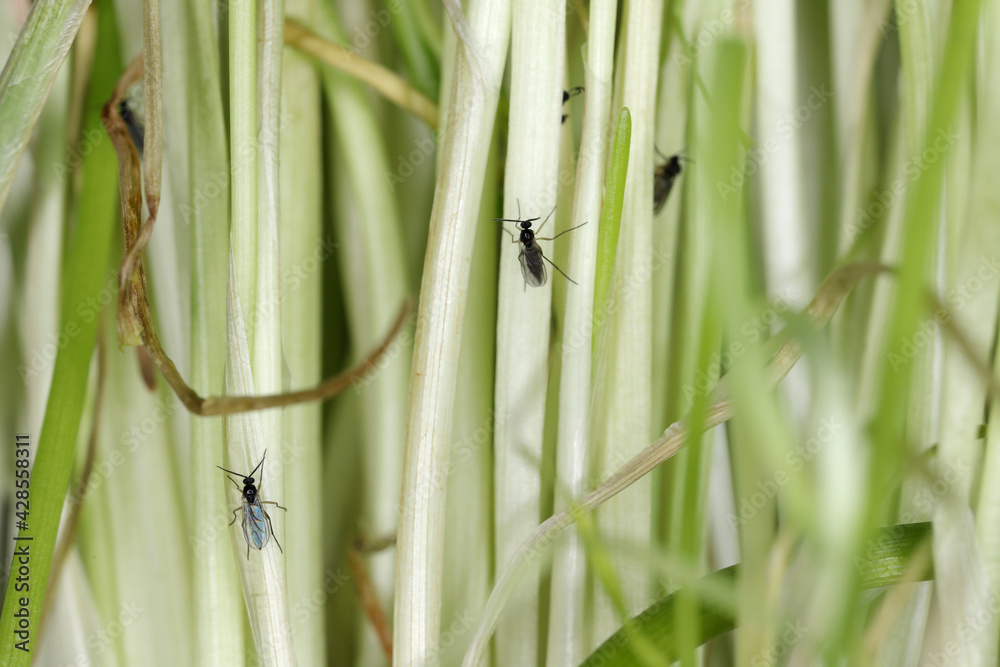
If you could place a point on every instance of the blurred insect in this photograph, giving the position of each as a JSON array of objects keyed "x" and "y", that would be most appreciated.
[
  {"x": 663, "y": 178},
  {"x": 135, "y": 127},
  {"x": 572, "y": 92},
  {"x": 257, "y": 529},
  {"x": 530, "y": 253}
]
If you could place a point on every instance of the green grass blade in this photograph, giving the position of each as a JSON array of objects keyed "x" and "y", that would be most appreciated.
[
  {"x": 611, "y": 218},
  {"x": 86, "y": 276},
  {"x": 887, "y": 563},
  {"x": 28, "y": 76}
]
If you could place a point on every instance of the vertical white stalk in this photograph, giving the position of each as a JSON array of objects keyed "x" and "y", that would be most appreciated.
[
  {"x": 305, "y": 249},
  {"x": 254, "y": 359},
  {"x": 777, "y": 99},
  {"x": 479, "y": 61},
  {"x": 623, "y": 377},
  {"x": 567, "y": 644},
  {"x": 218, "y": 609},
  {"x": 538, "y": 49}
]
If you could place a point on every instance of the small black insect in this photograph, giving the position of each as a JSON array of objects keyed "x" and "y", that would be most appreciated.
[
  {"x": 572, "y": 92},
  {"x": 135, "y": 127},
  {"x": 530, "y": 253},
  {"x": 257, "y": 529},
  {"x": 663, "y": 178}
]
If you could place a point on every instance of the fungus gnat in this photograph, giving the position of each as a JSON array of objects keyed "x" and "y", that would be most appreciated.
[
  {"x": 134, "y": 125},
  {"x": 530, "y": 254},
  {"x": 663, "y": 178},
  {"x": 257, "y": 529},
  {"x": 572, "y": 92}
]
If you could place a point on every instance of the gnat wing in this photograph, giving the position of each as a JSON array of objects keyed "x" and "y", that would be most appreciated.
[
  {"x": 662, "y": 185},
  {"x": 256, "y": 530},
  {"x": 532, "y": 266}
]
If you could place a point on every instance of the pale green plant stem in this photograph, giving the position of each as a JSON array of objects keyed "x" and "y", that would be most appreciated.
[
  {"x": 306, "y": 249},
  {"x": 243, "y": 157},
  {"x": 254, "y": 357},
  {"x": 855, "y": 47},
  {"x": 218, "y": 608},
  {"x": 672, "y": 122},
  {"x": 624, "y": 357},
  {"x": 566, "y": 643},
  {"x": 468, "y": 548},
  {"x": 778, "y": 98},
  {"x": 468, "y": 558},
  {"x": 524, "y": 313},
  {"x": 28, "y": 76},
  {"x": 923, "y": 202},
  {"x": 480, "y": 57},
  {"x": 985, "y": 206},
  {"x": 149, "y": 553},
  {"x": 374, "y": 275},
  {"x": 877, "y": 321}
]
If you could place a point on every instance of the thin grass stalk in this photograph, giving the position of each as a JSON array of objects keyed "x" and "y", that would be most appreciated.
[
  {"x": 218, "y": 609},
  {"x": 756, "y": 434},
  {"x": 254, "y": 329},
  {"x": 243, "y": 157},
  {"x": 152, "y": 72},
  {"x": 305, "y": 249},
  {"x": 778, "y": 99},
  {"x": 566, "y": 635},
  {"x": 468, "y": 548},
  {"x": 468, "y": 557},
  {"x": 672, "y": 123},
  {"x": 623, "y": 400},
  {"x": 479, "y": 60},
  {"x": 857, "y": 35},
  {"x": 29, "y": 74},
  {"x": 523, "y": 313}
]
